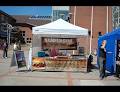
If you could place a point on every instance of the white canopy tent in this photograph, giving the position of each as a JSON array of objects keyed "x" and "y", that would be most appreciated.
[{"x": 58, "y": 28}]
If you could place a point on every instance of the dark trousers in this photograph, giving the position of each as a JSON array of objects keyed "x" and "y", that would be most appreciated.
[
  {"x": 4, "y": 53},
  {"x": 102, "y": 67},
  {"x": 89, "y": 66},
  {"x": 117, "y": 70}
]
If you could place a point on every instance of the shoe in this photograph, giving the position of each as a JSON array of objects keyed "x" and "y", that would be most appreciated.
[
  {"x": 3, "y": 57},
  {"x": 118, "y": 78},
  {"x": 17, "y": 70},
  {"x": 101, "y": 78}
]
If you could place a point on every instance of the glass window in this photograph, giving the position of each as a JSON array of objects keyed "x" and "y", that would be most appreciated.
[
  {"x": 2, "y": 17},
  {"x": 23, "y": 31},
  {"x": 60, "y": 14},
  {"x": 23, "y": 34},
  {"x": 24, "y": 39},
  {"x": 99, "y": 33}
]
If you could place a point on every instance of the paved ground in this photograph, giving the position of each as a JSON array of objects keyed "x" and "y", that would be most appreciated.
[{"x": 9, "y": 76}]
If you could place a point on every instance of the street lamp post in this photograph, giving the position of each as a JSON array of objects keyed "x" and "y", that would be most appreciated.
[
  {"x": 9, "y": 28},
  {"x": 9, "y": 32}
]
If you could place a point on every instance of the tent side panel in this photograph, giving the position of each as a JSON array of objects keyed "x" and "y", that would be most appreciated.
[
  {"x": 36, "y": 44},
  {"x": 110, "y": 55}
]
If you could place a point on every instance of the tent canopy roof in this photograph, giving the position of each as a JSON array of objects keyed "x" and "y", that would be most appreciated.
[
  {"x": 60, "y": 27},
  {"x": 108, "y": 35}
]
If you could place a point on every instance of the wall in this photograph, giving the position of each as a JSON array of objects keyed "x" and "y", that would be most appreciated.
[
  {"x": 83, "y": 19},
  {"x": 28, "y": 32}
]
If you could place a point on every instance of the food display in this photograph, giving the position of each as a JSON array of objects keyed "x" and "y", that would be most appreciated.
[{"x": 38, "y": 62}]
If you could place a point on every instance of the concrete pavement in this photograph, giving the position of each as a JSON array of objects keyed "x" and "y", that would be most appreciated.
[{"x": 9, "y": 76}]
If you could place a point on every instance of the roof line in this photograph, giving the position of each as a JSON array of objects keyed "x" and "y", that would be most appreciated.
[{"x": 7, "y": 14}]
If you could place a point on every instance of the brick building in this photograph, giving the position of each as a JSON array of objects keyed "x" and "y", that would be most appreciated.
[
  {"x": 83, "y": 18},
  {"x": 26, "y": 22}
]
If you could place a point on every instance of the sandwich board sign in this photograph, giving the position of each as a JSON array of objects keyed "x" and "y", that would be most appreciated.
[{"x": 18, "y": 59}]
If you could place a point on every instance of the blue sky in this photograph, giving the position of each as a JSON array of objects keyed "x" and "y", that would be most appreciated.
[{"x": 27, "y": 10}]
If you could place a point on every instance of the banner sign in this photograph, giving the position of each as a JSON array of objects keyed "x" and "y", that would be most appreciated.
[{"x": 59, "y": 43}]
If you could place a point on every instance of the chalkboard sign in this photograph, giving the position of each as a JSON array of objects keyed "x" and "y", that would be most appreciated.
[{"x": 20, "y": 58}]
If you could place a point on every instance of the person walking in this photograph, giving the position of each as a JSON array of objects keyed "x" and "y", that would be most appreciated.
[
  {"x": 5, "y": 49},
  {"x": 102, "y": 60}
]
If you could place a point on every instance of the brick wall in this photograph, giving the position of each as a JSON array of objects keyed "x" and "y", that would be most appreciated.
[{"x": 83, "y": 19}]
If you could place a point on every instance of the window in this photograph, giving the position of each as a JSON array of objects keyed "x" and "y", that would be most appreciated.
[
  {"x": 28, "y": 40},
  {"x": 23, "y": 31},
  {"x": 89, "y": 32},
  {"x": 60, "y": 14},
  {"x": 99, "y": 33},
  {"x": 23, "y": 34},
  {"x": 2, "y": 17},
  {"x": 23, "y": 39}
]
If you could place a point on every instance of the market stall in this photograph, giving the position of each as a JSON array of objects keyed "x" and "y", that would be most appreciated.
[
  {"x": 112, "y": 39},
  {"x": 55, "y": 46}
]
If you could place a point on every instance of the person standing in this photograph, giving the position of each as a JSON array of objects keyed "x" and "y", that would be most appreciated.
[
  {"x": 53, "y": 51},
  {"x": 102, "y": 59},
  {"x": 19, "y": 46},
  {"x": 89, "y": 63},
  {"x": 5, "y": 49},
  {"x": 118, "y": 61}
]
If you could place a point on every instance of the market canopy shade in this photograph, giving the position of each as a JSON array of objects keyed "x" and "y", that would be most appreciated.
[
  {"x": 60, "y": 27},
  {"x": 111, "y": 48}
]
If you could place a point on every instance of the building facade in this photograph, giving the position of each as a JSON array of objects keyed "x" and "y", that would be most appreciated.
[
  {"x": 101, "y": 21},
  {"x": 60, "y": 12},
  {"x": 26, "y": 22},
  {"x": 5, "y": 21},
  {"x": 116, "y": 17}
]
